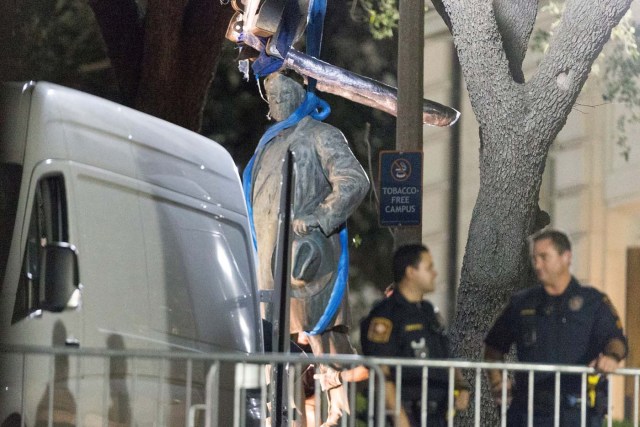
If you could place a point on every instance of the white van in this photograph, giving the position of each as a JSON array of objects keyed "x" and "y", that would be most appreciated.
[{"x": 118, "y": 230}]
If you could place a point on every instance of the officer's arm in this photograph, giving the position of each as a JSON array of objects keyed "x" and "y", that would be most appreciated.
[
  {"x": 390, "y": 399},
  {"x": 616, "y": 348},
  {"x": 609, "y": 360},
  {"x": 492, "y": 354},
  {"x": 462, "y": 391},
  {"x": 608, "y": 330},
  {"x": 499, "y": 340},
  {"x": 497, "y": 343}
]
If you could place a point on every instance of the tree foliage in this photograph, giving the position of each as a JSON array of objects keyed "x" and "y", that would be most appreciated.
[
  {"x": 56, "y": 40},
  {"x": 621, "y": 72},
  {"x": 381, "y": 15}
]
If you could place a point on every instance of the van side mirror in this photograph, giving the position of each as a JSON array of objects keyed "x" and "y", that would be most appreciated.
[{"x": 59, "y": 283}]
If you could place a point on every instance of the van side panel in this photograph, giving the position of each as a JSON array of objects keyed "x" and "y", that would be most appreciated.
[
  {"x": 197, "y": 265},
  {"x": 165, "y": 259},
  {"x": 112, "y": 258}
]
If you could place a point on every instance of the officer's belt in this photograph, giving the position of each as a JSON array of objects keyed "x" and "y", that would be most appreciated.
[
  {"x": 544, "y": 400},
  {"x": 433, "y": 407}
]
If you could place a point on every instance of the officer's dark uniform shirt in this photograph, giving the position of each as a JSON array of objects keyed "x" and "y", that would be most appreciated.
[
  {"x": 397, "y": 328},
  {"x": 571, "y": 329}
]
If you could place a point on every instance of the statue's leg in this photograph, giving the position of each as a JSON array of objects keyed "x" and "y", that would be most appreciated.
[{"x": 334, "y": 341}]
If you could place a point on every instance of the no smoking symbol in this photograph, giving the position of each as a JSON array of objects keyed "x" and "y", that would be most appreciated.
[{"x": 401, "y": 169}]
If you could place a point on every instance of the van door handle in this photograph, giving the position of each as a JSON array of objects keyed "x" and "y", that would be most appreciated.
[{"x": 72, "y": 342}]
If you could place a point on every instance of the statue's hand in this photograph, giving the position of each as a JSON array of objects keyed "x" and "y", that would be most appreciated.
[
  {"x": 328, "y": 380},
  {"x": 304, "y": 224}
]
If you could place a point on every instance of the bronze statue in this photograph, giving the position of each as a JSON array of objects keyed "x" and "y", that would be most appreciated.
[{"x": 330, "y": 184}]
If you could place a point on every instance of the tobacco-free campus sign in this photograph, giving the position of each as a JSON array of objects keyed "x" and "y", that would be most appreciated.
[{"x": 400, "y": 188}]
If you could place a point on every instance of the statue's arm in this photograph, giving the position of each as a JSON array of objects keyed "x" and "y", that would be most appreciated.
[{"x": 349, "y": 182}]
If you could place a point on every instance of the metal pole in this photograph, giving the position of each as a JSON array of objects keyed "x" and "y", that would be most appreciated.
[
  {"x": 454, "y": 189},
  {"x": 410, "y": 91},
  {"x": 282, "y": 274}
]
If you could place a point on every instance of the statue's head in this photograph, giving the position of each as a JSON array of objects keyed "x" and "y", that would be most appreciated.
[{"x": 284, "y": 95}]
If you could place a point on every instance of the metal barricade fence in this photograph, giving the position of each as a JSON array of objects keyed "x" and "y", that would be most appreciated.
[
  {"x": 101, "y": 387},
  {"x": 98, "y": 387},
  {"x": 474, "y": 371}
]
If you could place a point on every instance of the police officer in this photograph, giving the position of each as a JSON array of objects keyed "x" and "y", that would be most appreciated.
[
  {"x": 558, "y": 321},
  {"x": 406, "y": 325}
]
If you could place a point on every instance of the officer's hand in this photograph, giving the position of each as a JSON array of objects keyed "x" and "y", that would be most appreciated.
[
  {"x": 496, "y": 392},
  {"x": 304, "y": 224},
  {"x": 462, "y": 400},
  {"x": 604, "y": 363}
]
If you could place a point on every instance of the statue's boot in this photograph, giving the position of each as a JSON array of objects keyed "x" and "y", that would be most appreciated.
[{"x": 338, "y": 403}]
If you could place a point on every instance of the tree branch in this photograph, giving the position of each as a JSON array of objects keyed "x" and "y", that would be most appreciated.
[
  {"x": 515, "y": 19},
  {"x": 584, "y": 29},
  {"x": 123, "y": 34},
  {"x": 483, "y": 60}
]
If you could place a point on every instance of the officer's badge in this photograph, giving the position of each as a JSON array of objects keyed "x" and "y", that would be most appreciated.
[
  {"x": 576, "y": 303},
  {"x": 530, "y": 337},
  {"x": 379, "y": 330},
  {"x": 420, "y": 349}
]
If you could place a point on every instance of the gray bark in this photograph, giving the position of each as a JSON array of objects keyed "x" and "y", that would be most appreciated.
[
  {"x": 518, "y": 122},
  {"x": 515, "y": 20}
]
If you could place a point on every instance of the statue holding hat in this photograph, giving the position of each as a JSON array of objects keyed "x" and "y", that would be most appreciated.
[{"x": 329, "y": 185}]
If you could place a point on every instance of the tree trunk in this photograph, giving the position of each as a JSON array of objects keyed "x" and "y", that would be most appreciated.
[
  {"x": 518, "y": 122},
  {"x": 496, "y": 260},
  {"x": 164, "y": 56}
]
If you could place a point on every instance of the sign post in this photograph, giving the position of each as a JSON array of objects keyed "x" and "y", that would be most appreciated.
[
  {"x": 410, "y": 91},
  {"x": 400, "y": 188}
]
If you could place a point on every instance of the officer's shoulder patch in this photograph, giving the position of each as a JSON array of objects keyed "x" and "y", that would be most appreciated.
[{"x": 380, "y": 330}]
